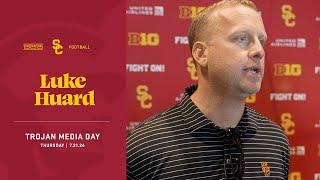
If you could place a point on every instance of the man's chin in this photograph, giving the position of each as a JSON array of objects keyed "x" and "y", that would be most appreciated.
[{"x": 247, "y": 91}]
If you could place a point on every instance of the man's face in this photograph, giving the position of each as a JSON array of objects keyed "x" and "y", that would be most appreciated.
[{"x": 235, "y": 51}]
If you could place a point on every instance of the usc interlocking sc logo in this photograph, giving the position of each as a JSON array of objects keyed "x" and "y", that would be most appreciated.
[
  {"x": 189, "y": 12},
  {"x": 57, "y": 47},
  {"x": 191, "y": 68},
  {"x": 265, "y": 168},
  {"x": 287, "y": 124},
  {"x": 288, "y": 16},
  {"x": 251, "y": 99},
  {"x": 143, "y": 39},
  {"x": 295, "y": 176},
  {"x": 287, "y": 69},
  {"x": 143, "y": 96}
]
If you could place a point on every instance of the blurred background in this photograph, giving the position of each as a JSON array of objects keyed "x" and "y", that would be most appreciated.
[{"x": 159, "y": 67}]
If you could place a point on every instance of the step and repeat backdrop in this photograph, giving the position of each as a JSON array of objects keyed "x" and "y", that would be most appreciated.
[{"x": 159, "y": 67}]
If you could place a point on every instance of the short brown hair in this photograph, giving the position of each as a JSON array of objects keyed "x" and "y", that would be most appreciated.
[{"x": 201, "y": 21}]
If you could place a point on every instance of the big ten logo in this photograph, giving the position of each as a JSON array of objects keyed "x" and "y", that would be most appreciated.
[
  {"x": 287, "y": 69},
  {"x": 144, "y": 97},
  {"x": 191, "y": 68},
  {"x": 57, "y": 47},
  {"x": 295, "y": 175},
  {"x": 189, "y": 12},
  {"x": 287, "y": 124},
  {"x": 251, "y": 99},
  {"x": 143, "y": 39},
  {"x": 288, "y": 16}
]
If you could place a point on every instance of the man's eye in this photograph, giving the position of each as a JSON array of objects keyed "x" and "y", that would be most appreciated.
[
  {"x": 262, "y": 41},
  {"x": 243, "y": 39}
]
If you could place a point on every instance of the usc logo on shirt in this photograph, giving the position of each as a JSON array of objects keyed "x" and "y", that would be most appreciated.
[
  {"x": 287, "y": 124},
  {"x": 265, "y": 168},
  {"x": 189, "y": 12},
  {"x": 144, "y": 97},
  {"x": 288, "y": 16},
  {"x": 143, "y": 39},
  {"x": 287, "y": 69},
  {"x": 191, "y": 68}
]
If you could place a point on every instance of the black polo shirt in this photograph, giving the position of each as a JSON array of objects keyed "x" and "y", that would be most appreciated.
[{"x": 181, "y": 143}]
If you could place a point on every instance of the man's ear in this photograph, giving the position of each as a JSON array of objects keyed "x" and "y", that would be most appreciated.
[{"x": 200, "y": 53}]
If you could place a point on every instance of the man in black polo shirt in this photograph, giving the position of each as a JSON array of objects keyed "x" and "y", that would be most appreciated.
[{"x": 211, "y": 134}]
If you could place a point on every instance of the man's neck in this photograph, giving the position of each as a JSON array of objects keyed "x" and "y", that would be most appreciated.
[{"x": 224, "y": 110}]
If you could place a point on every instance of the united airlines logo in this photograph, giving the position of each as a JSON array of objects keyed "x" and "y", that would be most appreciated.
[
  {"x": 251, "y": 99},
  {"x": 288, "y": 16},
  {"x": 287, "y": 124},
  {"x": 143, "y": 39},
  {"x": 144, "y": 97},
  {"x": 298, "y": 150},
  {"x": 296, "y": 175},
  {"x": 145, "y": 10},
  {"x": 287, "y": 69},
  {"x": 191, "y": 68},
  {"x": 57, "y": 47},
  {"x": 289, "y": 43},
  {"x": 189, "y": 12}
]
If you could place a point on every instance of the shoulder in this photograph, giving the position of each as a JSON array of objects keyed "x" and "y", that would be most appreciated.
[
  {"x": 154, "y": 129},
  {"x": 268, "y": 127}
]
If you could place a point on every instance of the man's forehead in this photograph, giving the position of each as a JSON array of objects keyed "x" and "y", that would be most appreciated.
[
  {"x": 235, "y": 12},
  {"x": 239, "y": 15}
]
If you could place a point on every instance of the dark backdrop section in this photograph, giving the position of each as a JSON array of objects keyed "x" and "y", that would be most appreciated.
[
  {"x": 159, "y": 67},
  {"x": 99, "y": 25}
]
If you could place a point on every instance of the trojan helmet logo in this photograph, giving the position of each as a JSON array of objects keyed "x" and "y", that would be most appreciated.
[
  {"x": 191, "y": 68},
  {"x": 143, "y": 39},
  {"x": 265, "y": 168},
  {"x": 57, "y": 47},
  {"x": 287, "y": 69},
  {"x": 287, "y": 123},
  {"x": 295, "y": 176},
  {"x": 143, "y": 96},
  {"x": 288, "y": 16},
  {"x": 251, "y": 99},
  {"x": 189, "y": 12}
]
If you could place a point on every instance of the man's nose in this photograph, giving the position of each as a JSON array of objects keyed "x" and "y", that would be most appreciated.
[{"x": 256, "y": 51}]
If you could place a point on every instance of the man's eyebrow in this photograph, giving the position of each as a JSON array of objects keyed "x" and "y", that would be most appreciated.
[{"x": 264, "y": 35}]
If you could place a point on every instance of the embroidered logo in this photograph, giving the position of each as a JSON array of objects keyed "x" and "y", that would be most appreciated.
[{"x": 265, "y": 168}]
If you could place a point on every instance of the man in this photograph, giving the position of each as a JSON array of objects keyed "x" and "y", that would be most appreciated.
[{"x": 211, "y": 134}]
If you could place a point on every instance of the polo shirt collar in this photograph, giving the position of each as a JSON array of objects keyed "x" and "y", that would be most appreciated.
[{"x": 196, "y": 120}]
